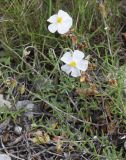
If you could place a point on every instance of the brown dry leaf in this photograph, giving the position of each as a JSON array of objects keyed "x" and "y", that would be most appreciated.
[
  {"x": 13, "y": 83},
  {"x": 6, "y": 137},
  {"x": 41, "y": 138},
  {"x": 84, "y": 78},
  {"x": 93, "y": 86},
  {"x": 2, "y": 89},
  {"x": 108, "y": 112},
  {"x": 71, "y": 147},
  {"x": 113, "y": 82},
  {"x": 112, "y": 127},
  {"x": 87, "y": 92},
  {"x": 21, "y": 89},
  {"x": 82, "y": 45},
  {"x": 59, "y": 146},
  {"x": 92, "y": 91},
  {"x": 92, "y": 66},
  {"x": 74, "y": 39},
  {"x": 7, "y": 82},
  {"x": 102, "y": 9},
  {"x": 124, "y": 35}
]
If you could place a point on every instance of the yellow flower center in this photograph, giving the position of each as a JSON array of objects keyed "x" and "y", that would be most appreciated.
[
  {"x": 73, "y": 64},
  {"x": 59, "y": 20}
]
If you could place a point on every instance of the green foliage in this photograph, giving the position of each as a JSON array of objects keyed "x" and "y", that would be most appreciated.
[{"x": 25, "y": 24}]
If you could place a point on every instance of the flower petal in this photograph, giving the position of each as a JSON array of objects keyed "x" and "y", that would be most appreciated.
[
  {"x": 68, "y": 22},
  {"x": 75, "y": 72},
  {"x": 66, "y": 68},
  {"x": 63, "y": 28},
  {"x": 53, "y": 19},
  {"x": 66, "y": 58},
  {"x": 52, "y": 28},
  {"x": 82, "y": 65},
  {"x": 78, "y": 55},
  {"x": 63, "y": 14}
]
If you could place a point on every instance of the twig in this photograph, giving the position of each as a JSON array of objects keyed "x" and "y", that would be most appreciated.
[
  {"x": 57, "y": 109},
  {"x": 17, "y": 140},
  {"x": 107, "y": 34},
  {"x": 72, "y": 102},
  {"x": 9, "y": 154}
]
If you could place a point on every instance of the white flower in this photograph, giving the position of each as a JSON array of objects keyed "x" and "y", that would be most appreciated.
[
  {"x": 74, "y": 63},
  {"x": 60, "y": 22}
]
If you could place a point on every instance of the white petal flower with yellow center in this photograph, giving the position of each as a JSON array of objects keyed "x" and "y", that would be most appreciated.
[
  {"x": 74, "y": 63},
  {"x": 60, "y": 22}
]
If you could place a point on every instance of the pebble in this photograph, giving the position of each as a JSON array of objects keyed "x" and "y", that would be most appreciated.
[
  {"x": 18, "y": 130},
  {"x": 28, "y": 106},
  {"x": 4, "y": 157}
]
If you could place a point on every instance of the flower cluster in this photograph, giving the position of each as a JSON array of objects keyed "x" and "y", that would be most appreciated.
[{"x": 74, "y": 60}]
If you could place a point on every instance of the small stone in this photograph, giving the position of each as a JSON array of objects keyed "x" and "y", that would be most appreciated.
[
  {"x": 18, "y": 130},
  {"x": 4, "y": 103},
  {"x": 30, "y": 107},
  {"x": 27, "y": 105},
  {"x": 22, "y": 104},
  {"x": 4, "y": 157}
]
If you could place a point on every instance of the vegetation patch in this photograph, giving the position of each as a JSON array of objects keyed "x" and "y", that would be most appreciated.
[{"x": 62, "y": 80}]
